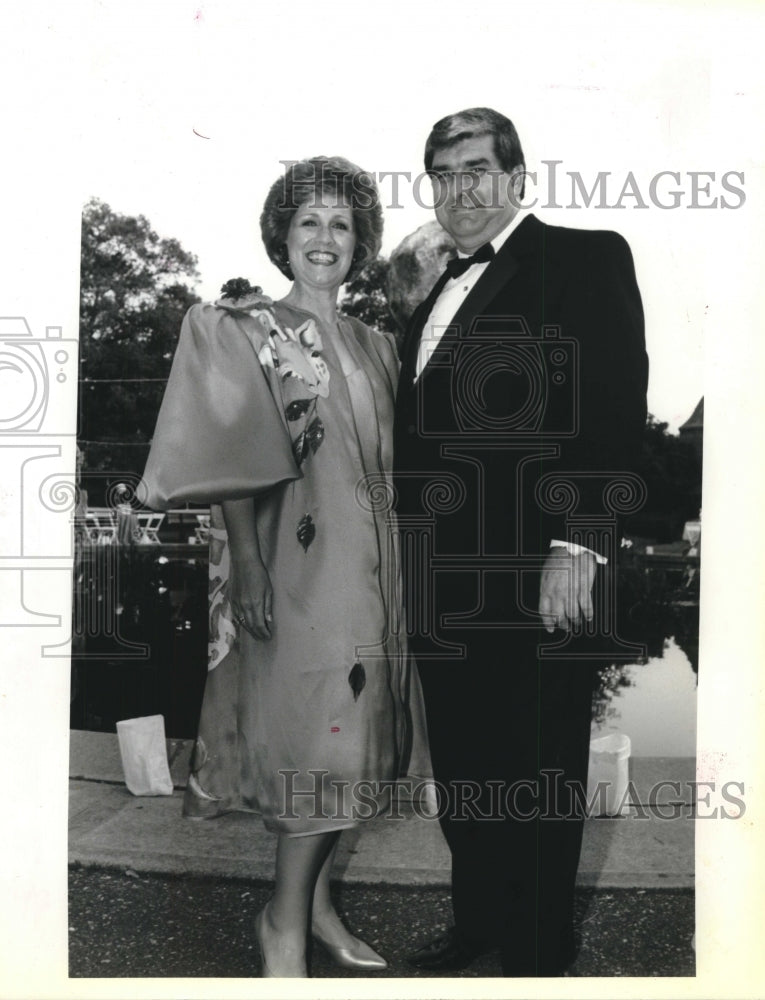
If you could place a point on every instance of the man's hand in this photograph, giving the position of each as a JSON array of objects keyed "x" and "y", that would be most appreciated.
[{"x": 565, "y": 592}]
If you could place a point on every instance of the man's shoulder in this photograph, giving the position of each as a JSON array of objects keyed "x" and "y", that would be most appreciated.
[{"x": 568, "y": 240}]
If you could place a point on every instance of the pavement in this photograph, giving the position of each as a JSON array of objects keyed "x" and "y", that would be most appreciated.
[
  {"x": 145, "y": 882},
  {"x": 110, "y": 827},
  {"x": 123, "y": 923}
]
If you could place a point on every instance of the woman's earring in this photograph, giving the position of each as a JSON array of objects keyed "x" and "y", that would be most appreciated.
[{"x": 284, "y": 257}]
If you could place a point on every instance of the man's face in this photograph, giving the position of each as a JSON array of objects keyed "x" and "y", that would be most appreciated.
[{"x": 474, "y": 198}]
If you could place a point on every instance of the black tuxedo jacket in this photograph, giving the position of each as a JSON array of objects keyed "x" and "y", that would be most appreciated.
[{"x": 524, "y": 425}]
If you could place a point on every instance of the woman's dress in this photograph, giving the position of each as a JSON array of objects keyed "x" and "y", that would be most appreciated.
[{"x": 310, "y": 727}]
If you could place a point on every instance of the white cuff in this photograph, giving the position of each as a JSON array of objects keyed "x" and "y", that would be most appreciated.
[{"x": 577, "y": 550}]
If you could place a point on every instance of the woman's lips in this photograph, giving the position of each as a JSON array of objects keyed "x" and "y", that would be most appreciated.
[{"x": 322, "y": 257}]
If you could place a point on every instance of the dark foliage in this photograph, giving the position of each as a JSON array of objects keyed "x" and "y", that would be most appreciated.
[
  {"x": 135, "y": 288},
  {"x": 671, "y": 469},
  {"x": 365, "y": 297},
  {"x": 237, "y": 288}
]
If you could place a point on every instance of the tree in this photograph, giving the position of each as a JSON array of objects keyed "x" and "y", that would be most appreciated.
[
  {"x": 135, "y": 288},
  {"x": 671, "y": 470},
  {"x": 366, "y": 299}
]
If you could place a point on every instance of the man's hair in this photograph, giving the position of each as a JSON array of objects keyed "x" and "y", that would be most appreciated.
[
  {"x": 328, "y": 175},
  {"x": 474, "y": 122}
]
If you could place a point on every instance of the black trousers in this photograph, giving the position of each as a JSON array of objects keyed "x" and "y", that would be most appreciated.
[{"x": 509, "y": 737}]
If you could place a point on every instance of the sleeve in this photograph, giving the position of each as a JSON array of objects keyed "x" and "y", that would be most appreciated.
[
  {"x": 603, "y": 312},
  {"x": 220, "y": 434}
]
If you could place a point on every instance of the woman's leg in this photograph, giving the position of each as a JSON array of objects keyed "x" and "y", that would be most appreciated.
[
  {"x": 331, "y": 932},
  {"x": 323, "y": 915},
  {"x": 283, "y": 927}
]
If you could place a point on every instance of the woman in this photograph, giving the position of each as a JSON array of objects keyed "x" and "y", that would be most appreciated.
[{"x": 282, "y": 413}]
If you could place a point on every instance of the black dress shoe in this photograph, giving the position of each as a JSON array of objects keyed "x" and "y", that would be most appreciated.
[{"x": 446, "y": 953}]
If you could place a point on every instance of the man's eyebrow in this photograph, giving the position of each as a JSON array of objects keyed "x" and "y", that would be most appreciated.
[{"x": 481, "y": 161}]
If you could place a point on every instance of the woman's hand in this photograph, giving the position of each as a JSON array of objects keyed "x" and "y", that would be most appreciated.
[
  {"x": 249, "y": 585},
  {"x": 251, "y": 596}
]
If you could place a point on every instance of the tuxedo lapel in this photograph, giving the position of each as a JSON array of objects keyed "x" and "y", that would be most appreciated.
[
  {"x": 414, "y": 335},
  {"x": 497, "y": 276}
]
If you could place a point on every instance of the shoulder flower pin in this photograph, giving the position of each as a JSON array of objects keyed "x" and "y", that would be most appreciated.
[{"x": 294, "y": 353}]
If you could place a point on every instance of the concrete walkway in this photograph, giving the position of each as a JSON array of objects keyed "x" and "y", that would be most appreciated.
[{"x": 110, "y": 827}]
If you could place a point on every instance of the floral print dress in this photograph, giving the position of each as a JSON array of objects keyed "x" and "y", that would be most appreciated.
[{"x": 309, "y": 727}]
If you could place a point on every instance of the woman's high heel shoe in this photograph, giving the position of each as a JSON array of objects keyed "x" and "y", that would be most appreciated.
[{"x": 359, "y": 955}]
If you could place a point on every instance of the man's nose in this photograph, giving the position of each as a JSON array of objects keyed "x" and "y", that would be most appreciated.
[
  {"x": 452, "y": 191},
  {"x": 456, "y": 197}
]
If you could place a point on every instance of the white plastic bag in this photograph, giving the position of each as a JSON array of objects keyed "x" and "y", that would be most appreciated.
[
  {"x": 609, "y": 767},
  {"x": 144, "y": 755}
]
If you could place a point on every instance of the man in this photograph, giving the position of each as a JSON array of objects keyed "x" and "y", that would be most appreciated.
[{"x": 520, "y": 409}]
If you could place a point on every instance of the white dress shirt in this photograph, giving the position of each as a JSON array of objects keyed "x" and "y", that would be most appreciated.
[{"x": 451, "y": 297}]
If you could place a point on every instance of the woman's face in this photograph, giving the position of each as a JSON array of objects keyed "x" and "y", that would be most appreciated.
[{"x": 321, "y": 241}]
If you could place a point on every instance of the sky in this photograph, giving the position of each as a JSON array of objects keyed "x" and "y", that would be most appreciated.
[
  {"x": 650, "y": 91},
  {"x": 182, "y": 112}
]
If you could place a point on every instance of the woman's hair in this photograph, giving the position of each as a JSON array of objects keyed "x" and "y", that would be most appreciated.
[{"x": 331, "y": 176}]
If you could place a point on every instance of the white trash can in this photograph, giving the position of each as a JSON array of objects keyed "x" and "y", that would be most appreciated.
[
  {"x": 144, "y": 755},
  {"x": 609, "y": 769}
]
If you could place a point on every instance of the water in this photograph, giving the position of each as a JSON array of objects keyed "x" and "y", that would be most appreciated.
[{"x": 658, "y": 708}]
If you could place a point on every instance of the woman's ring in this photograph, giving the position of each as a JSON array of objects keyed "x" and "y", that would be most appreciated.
[{"x": 241, "y": 619}]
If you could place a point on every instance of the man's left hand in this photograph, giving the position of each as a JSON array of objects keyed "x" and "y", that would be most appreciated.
[{"x": 565, "y": 592}]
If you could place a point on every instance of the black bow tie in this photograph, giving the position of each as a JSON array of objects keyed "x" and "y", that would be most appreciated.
[{"x": 458, "y": 265}]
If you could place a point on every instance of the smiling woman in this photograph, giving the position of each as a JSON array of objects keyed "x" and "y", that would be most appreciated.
[
  {"x": 320, "y": 245},
  {"x": 279, "y": 414},
  {"x": 333, "y": 182}
]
